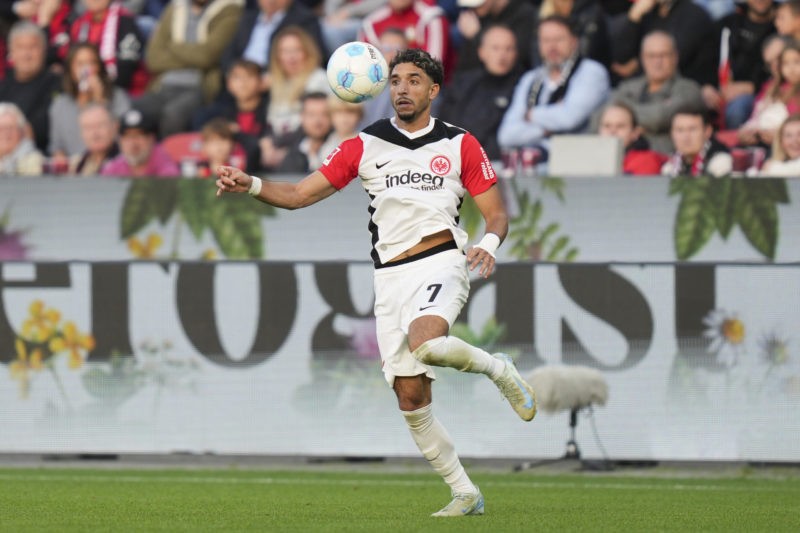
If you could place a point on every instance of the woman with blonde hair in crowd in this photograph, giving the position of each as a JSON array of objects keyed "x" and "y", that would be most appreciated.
[
  {"x": 295, "y": 69},
  {"x": 785, "y": 160},
  {"x": 778, "y": 100}
]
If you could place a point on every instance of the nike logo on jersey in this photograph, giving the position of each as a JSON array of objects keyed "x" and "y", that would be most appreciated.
[
  {"x": 382, "y": 165},
  {"x": 426, "y": 307}
]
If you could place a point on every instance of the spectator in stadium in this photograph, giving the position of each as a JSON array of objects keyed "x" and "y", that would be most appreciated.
[
  {"x": 660, "y": 91},
  {"x": 619, "y": 120},
  {"x": 688, "y": 23},
  {"x": 485, "y": 91},
  {"x": 305, "y": 153},
  {"x": 53, "y": 17},
  {"x": 697, "y": 151},
  {"x": 85, "y": 82},
  {"x": 147, "y": 15},
  {"x": 184, "y": 54},
  {"x": 787, "y": 19},
  {"x": 18, "y": 155},
  {"x": 741, "y": 72},
  {"x": 30, "y": 85},
  {"x": 589, "y": 22},
  {"x": 140, "y": 155},
  {"x": 393, "y": 40},
  {"x": 558, "y": 97},
  {"x": 113, "y": 29},
  {"x": 425, "y": 25},
  {"x": 421, "y": 274},
  {"x": 98, "y": 127},
  {"x": 343, "y": 19},
  {"x": 477, "y": 15},
  {"x": 294, "y": 70},
  {"x": 218, "y": 147},
  {"x": 246, "y": 110},
  {"x": 258, "y": 28},
  {"x": 345, "y": 119},
  {"x": 785, "y": 159},
  {"x": 780, "y": 99}
]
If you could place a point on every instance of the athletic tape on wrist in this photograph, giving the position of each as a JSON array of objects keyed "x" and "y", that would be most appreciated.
[
  {"x": 255, "y": 186},
  {"x": 490, "y": 242}
]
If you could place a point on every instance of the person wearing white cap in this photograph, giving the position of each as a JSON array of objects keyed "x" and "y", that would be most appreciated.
[{"x": 477, "y": 15}]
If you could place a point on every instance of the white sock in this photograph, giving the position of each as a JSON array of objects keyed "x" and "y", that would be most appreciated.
[
  {"x": 453, "y": 352},
  {"x": 437, "y": 447}
]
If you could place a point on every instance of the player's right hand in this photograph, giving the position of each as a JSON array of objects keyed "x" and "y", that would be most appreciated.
[{"x": 231, "y": 179}]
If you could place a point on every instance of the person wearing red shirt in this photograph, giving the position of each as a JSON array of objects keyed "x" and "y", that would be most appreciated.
[
  {"x": 425, "y": 27},
  {"x": 113, "y": 29},
  {"x": 619, "y": 120}
]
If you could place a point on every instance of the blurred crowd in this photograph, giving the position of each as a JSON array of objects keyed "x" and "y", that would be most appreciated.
[{"x": 177, "y": 87}]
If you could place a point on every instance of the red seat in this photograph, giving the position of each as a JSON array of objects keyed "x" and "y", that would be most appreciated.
[
  {"x": 729, "y": 138},
  {"x": 188, "y": 145}
]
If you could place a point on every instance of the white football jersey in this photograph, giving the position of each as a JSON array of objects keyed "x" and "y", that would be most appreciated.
[{"x": 416, "y": 185}]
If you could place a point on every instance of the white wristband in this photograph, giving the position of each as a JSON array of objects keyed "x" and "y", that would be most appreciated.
[
  {"x": 490, "y": 242},
  {"x": 255, "y": 186}
]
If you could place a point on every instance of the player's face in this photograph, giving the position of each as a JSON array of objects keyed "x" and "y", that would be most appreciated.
[
  {"x": 411, "y": 90},
  {"x": 790, "y": 139},
  {"x": 689, "y": 134}
]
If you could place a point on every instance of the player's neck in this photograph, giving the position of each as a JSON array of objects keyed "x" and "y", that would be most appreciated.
[{"x": 416, "y": 124}]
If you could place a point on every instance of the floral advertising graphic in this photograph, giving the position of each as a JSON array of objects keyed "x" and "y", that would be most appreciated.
[
  {"x": 710, "y": 205},
  {"x": 45, "y": 337},
  {"x": 731, "y": 358},
  {"x": 12, "y": 246},
  {"x": 233, "y": 220}
]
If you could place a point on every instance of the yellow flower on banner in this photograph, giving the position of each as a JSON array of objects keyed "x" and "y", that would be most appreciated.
[
  {"x": 42, "y": 322},
  {"x": 21, "y": 368},
  {"x": 73, "y": 341},
  {"x": 146, "y": 249},
  {"x": 209, "y": 255}
]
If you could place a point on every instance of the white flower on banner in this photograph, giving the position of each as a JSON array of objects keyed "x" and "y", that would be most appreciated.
[{"x": 726, "y": 332}]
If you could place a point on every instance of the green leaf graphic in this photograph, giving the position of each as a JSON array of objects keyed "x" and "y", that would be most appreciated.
[
  {"x": 164, "y": 196},
  {"x": 137, "y": 210},
  {"x": 776, "y": 189},
  {"x": 721, "y": 193},
  {"x": 194, "y": 198},
  {"x": 757, "y": 216},
  {"x": 695, "y": 220},
  {"x": 236, "y": 228},
  {"x": 677, "y": 185}
]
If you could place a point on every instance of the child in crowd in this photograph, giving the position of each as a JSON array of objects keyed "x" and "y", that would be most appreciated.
[
  {"x": 787, "y": 19},
  {"x": 780, "y": 99},
  {"x": 245, "y": 108},
  {"x": 345, "y": 118},
  {"x": 218, "y": 148}
]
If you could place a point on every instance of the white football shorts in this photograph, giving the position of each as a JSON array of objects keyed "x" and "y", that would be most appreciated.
[{"x": 435, "y": 285}]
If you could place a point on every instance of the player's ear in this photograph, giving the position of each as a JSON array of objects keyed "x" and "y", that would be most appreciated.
[{"x": 434, "y": 91}]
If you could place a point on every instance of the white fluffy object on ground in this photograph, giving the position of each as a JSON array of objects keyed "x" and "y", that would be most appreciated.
[{"x": 562, "y": 387}]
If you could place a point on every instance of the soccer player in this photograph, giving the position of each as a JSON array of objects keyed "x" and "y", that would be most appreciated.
[{"x": 416, "y": 170}]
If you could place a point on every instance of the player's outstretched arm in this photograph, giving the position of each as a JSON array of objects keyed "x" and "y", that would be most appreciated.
[
  {"x": 309, "y": 190},
  {"x": 490, "y": 204}
]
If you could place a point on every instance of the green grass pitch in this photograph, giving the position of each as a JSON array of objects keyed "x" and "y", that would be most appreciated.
[{"x": 226, "y": 499}]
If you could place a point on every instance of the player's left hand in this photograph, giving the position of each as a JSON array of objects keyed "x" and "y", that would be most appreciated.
[{"x": 477, "y": 256}]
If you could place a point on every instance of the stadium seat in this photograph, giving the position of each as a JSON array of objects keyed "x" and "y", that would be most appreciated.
[
  {"x": 729, "y": 138},
  {"x": 188, "y": 145}
]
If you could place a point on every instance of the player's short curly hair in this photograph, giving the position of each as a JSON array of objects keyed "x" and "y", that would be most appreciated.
[{"x": 422, "y": 59}]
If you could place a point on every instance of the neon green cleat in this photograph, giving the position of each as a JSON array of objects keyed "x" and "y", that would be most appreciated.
[
  {"x": 516, "y": 390},
  {"x": 463, "y": 505}
]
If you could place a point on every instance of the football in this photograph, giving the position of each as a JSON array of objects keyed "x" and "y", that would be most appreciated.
[{"x": 357, "y": 71}]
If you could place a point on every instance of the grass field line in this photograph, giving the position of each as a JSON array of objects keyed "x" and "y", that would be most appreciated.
[{"x": 522, "y": 484}]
